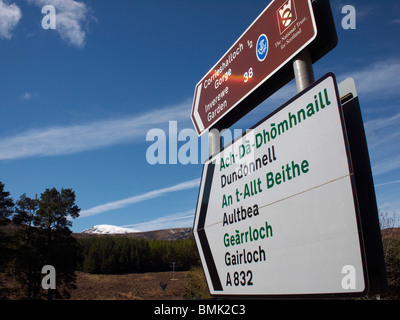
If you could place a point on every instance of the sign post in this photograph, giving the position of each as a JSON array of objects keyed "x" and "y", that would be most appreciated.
[
  {"x": 303, "y": 70},
  {"x": 277, "y": 212},
  {"x": 288, "y": 208}
]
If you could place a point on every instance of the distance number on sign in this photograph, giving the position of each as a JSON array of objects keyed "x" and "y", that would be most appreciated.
[{"x": 248, "y": 75}]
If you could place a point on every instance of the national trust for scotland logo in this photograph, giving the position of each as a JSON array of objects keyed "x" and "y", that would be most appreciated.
[{"x": 286, "y": 15}]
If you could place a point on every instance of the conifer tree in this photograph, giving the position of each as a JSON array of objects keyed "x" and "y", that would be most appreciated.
[
  {"x": 6, "y": 204},
  {"x": 27, "y": 257},
  {"x": 59, "y": 248},
  {"x": 6, "y": 210}
]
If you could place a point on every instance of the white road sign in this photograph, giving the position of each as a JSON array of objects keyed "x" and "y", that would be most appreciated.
[{"x": 277, "y": 211}]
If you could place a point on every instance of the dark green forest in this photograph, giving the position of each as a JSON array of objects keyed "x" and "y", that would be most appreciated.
[
  {"x": 119, "y": 254},
  {"x": 35, "y": 232}
]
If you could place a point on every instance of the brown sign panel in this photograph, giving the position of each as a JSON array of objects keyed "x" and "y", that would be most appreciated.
[{"x": 279, "y": 33}]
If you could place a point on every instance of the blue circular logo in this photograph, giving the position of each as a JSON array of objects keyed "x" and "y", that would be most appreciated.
[{"x": 262, "y": 47}]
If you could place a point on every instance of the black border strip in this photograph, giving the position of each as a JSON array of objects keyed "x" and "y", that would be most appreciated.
[
  {"x": 205, "y": 246},
  {"x": 364, "y": 184}
]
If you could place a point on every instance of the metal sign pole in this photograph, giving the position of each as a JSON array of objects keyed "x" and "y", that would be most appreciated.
[
  {"x": 304, "y": 75},
  {"x": 303, "y": 70},
  {"x": 214, "y": 141}
]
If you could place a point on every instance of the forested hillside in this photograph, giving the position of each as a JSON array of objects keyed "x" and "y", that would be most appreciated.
[{"x": 119, "y": 254}]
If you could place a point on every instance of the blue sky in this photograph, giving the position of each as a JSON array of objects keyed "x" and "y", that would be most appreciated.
[{"x": 76, "y": 102}]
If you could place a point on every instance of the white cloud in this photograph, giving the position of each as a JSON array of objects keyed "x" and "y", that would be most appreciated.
[
  {"x": 176, "y": 220},
  {"x": 386, "y": 165},
  {"x": 26, "y": 96},
  {"x": 139, "y": 198},
  {"x": 383, "y": 131},
  {"x": 375, "y": 82},
  {"x": 10, "y": 14},
  {"x": 77, "y": 138},
  {"x": 71, "y": 17},
  {"x": 386, "y": 183},
  {"x": 378, "y": 79},
  {"x": 383, "y": 137}
]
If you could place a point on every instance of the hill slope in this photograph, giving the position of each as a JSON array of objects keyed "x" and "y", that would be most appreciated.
[
  {"x": 108, "y": 229},
  {"x": 164, "y": 234}
]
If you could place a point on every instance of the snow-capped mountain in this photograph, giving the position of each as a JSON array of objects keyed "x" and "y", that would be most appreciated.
[{"x": 108, "y": 229}]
